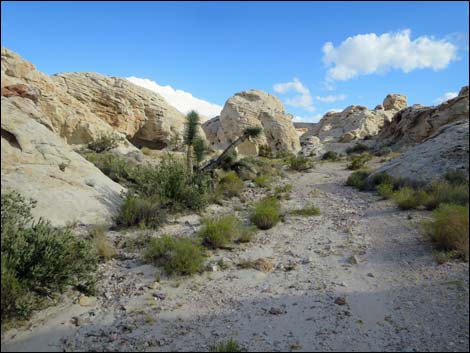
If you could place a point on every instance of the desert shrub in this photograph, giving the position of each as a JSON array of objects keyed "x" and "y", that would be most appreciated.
[
  {"x": 357, "y": 148},
  {"x": 266, "y": 213},
  {"x": 104, "y": 143},
  {"x": 300, "y": 163},
  {"x": 449, "y": 229},
  {"x": 38, "y": 259},
  {"x": 177, "y": 256},
  {"x": 230, "y": 185},
  {"x": 308, "y": 210},
  {"x": 263, "y": 180},
  {"x": 378, "y": 179},
  {"x": 266, "y": 151},
  {"x": 104, "y": 248},
  {"x": 408, "y": 198},
  {"x": 384, "y": 151},
  {"x": 263, "y": 165},
  {"x": 358, "y": 179},
  {"x": 358, "y": 162},
  {"x": 445, "y": 192},
  {"x": 142, "y": 211},
  {"x": 229, "y": 159},
  {"x": 385, "y": 190},
  {"x": 456, "y": 177},
  {"x": 220, "y": 231},
  {"x": 227, "y": 346},
  {"x": 283, "y": 191},
  {"x": 117, "y": 168},
  {"x": 330, "y": 156},
  {"x": 246, "y": 234}
]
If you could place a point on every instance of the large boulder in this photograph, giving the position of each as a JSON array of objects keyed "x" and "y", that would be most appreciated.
[
  {"x": 395, "y": 102},
  {"x": 39, "y": 164},
  {"x": 446, "y": 149},
  {"x": 249, "y": 109},
  {"x": 416, "y": 123}
]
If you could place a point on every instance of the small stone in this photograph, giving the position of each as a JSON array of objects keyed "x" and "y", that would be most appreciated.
[
  {"x": 276, "y": 311},
  {"x": 370, "y": 274},
  {"x": 87, "y": 301},
  {"x": 340, "y": 301}
]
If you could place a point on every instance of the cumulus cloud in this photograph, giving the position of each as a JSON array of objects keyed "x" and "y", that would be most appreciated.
[
  {"x": 365, "y": 54},
  {"x": 445, "y": 97},
  {"x": 332, "y": 99},
  {"x": 302, "y": 100},
  {"x": 181, "y": 100}
]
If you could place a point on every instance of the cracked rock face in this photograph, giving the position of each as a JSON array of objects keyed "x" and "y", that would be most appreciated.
[{"x": 253, "y": 108}]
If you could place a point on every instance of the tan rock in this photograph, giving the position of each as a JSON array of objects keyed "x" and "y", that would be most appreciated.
[
  {"x": 87, "y": 301},
  {"x": 395, "y": 102}
]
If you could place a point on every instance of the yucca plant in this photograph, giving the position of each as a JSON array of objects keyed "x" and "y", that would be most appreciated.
[{"x": 190, "y": 136}]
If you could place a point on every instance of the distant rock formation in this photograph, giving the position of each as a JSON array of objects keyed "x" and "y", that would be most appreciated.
[{"x": 253, "y": 108}]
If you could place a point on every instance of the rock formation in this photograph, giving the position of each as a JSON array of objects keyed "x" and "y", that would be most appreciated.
[
  {"x": 253, "y": 108},
  {"x": 39, "y": 164}
]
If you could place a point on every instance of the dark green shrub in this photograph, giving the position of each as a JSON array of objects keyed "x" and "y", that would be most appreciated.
[
  {"x": 229, "y": 159},
  {"x": 177, "y": 256},
  {"x": 330, "y": 156},
  {"x": 263, "y": 180},
  {"x": 300, "y": 163},
  {"x": 456, "y": 177},
  {"x": 104, "y": 143},
  {"x": 359, "y": 162},
  {"x": 449, "y": 229},
  {"x": 384, "y": 151},
  {"x": 218, "y": 232},
  {"x": 378, "y": 179},
  {"x": 308, "y": 210},
  {"x": 227, "y": 346},
  {"x": 117, "y": 168},
  {"x": 357, "y": 148},
  {"x": 385, "y": 190},
  {"x": 265, "y": 151},
  {"x": 446, "y": 192},
  {"x": 266, "y": 213},
  {"x": 283, "y": 191},
  {"x": 408, "y": 198},
  {"x": 143, "y": 211},
  {"x": 358, "y": 179},
  {"x": 230, "y": 185}
]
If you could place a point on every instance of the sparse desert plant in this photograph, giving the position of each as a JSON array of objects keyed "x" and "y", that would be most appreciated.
[
  {"x": 379, "y": 178},
  {"x": 384, "y": 151},
  {"x": 408, "y": 198},
  {"x": 104, "y": 248},
  {"x": 449, "y": 229},
  {"x": 266, "y": 213},
  {"x": 456, "y": 177},
  {"x": 220, "y": 231},
  {"x": 230, "y": 185},
  {"x": 190, "y": 136},
  {"x": 300, "y": 163},
  {"x": 103, "y": 143},
  {"x": 307, "y": 210},
  {"x": 265, "y": 151},
  {"x": 358, "y": 179},
  {"x": 359, "y": 162},
  {"x": 385, "y": 190},
  {"x": 177, "y": 256},
  {"x": 115, "y": 167},
  {"x": 330, "y": 156},
  {"x": 357, "y": 148},
  {"x": 283, "y": 191},
  {"x": 227, "y": 346},
  {"x": 445, "y": 192},
  {"x": 143, "y": 211},
  {"x": 263, "y": 180}
]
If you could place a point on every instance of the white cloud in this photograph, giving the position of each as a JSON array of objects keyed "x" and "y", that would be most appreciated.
[
  {"x": 365, "y": 54},
  {"x": 331, "y": 99},
  {"x": 446, "y": 97},
  {"x": 311, "y": 119},
  {"x": 303, "y": 100},
  {"x": 181, "y": 100}
]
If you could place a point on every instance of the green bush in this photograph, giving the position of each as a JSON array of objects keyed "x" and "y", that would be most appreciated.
[
  {"x": 308, "y": 210},
  {"x": 263, "y": 180},
  {"x": 357, "y": 148},
  {"x": 358, "y": 179},
  {"x": 265, "y": 151},
  {"x": 229, "y": 159},
  {"x": 330, "y": 156},
  {"x": 230, "y": 185},
  {"x": 384, "y": 151},
  {"x": 38, "y": 259},
  {"x": 378, "y": 179},
  {"x": 282, "y": 191},
  {"x": 446, "y": 192},
  {"x": 385, "y": 190},
  {"x": 220, "y": 231},
  {"x": 359, "y": 162},
  {"x": 300, "y": 163},
  {"x": 409, "y": 198},
  {"x": 177, "y": 256},
  {"x": 449, "y": 229},
  {"x": 104, "y": 143},
  {"x": 143, "y": 211},
  {"x": 266, "y": 213},
  {"x": 456, "y": 177},
  {"x": 227, "y": 346},
  {"x": 117, "y": 168}
]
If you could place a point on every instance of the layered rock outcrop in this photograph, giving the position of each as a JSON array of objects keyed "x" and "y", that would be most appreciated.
[
  {"x": 249, "y": 109},
  {"x": 39, "y": 164}
]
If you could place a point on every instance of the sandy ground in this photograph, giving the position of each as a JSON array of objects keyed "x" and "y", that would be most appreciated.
[{"x": 397, "y": 298}]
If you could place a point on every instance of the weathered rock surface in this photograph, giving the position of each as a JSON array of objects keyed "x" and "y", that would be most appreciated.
[
  {"x": 446, "y": 149},
  {"x": 394, "y": 102},
  {"x": 415, "y": 124},
  {"x": 39, "y": 164},
  {"x": 254, "y": 108}
]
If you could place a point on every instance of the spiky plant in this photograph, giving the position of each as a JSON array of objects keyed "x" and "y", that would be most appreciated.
[
  {"x": 190, "y": 136},
  {"x": 199, "y": 147}
]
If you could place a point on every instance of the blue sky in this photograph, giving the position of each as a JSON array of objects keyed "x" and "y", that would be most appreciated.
[{"x": 211, "y": 50}]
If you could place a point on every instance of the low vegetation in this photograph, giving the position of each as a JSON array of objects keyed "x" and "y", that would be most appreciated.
[
  {"x": 283, "y": 191},
  {"x": 357, "y": 148},
  {"x": 38, "y": 260},
  {"x": 331, "y": 156},
  {"x": 230, "y": 185},
  {"x": 359, "y": 162},
  {"x": 263, "y": 180},
  {"x": 385, "y": 190},
  {"x": 408, "y": 198},
  {"x": 143, "y": 212},
  {"x": 104, "y": 248},
  {"x": 177, "y": 256},
  {"x": 449, "y": 230},
  {"x": 221, "y": 231},
  {"x": 227, "y": 346},
  {"x": 300, "y": 163},
  {"x": 308, "y": 210},
  {"x": 266, "y": 213},
  {"x": 358, "y": 179},
  {"x": 104, "y": 143}
]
